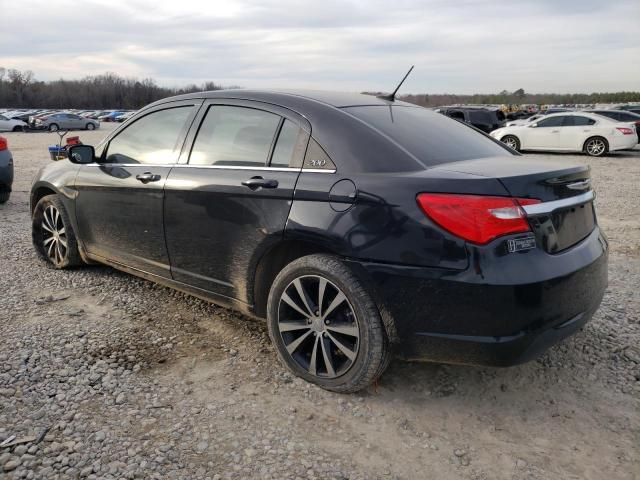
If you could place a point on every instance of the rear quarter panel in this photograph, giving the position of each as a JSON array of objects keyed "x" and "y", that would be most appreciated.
[{"x": 384, "y": 224}]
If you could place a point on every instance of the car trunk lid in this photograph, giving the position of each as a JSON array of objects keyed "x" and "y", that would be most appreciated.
[{"x": 565, "y": 215}]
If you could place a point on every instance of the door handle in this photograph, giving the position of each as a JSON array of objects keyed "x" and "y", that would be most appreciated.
[
  {"x": 257, "y": 182},
  {"x": 147, "y": 177},
  {"x": 555, "y": 131}
]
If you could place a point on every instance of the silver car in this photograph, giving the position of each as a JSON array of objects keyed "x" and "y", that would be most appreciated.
[{"x": 66, "y": 121}]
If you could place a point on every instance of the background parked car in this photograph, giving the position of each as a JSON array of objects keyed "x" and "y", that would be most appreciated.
[
  {"x": 525, "y": 121},
  {"x": 573, "y": 132},
  {"x": 6, "y": 170},
  {"x": 630, "y": 108},
  {"x": 11, "y": 124},
  {"x": 66, "y": 121},
  {"x": 110, "y": 117},
  {"x": 620, "y": 116},
  {"x": 125, "y": 116},
  {"x": 484, "y": 118}
]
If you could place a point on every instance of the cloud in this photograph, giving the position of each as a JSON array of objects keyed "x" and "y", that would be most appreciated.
[{"x": 465, "y": 46}]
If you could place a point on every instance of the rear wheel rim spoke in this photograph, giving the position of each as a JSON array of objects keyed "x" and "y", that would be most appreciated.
[{"x": 323, "y": 343}]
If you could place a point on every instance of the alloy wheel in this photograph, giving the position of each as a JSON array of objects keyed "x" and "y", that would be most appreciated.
[
  {"x": 511, "y": 143},
  {"x": 318, "y": 326},
  {"x": 595, "y": 147},
  {"x": 54, "y": 235}
]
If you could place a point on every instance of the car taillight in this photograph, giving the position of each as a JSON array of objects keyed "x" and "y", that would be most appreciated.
[
  {"x": 476, "y": 218},
  {"x": 4, "y": 145},
  {"x": 625, "y": 130}
]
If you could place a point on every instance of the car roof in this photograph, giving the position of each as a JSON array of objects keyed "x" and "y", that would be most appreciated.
[{"x": 334, "y": 99}]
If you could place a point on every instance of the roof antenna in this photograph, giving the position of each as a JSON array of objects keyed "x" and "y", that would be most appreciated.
[{"x": 392, "y": 96}]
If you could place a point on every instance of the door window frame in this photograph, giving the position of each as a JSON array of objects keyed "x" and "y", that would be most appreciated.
[{"x": 283, "y": 113}]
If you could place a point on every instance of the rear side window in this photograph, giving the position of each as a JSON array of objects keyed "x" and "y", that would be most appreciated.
[
  {"x": 577, "y": 121},
  {"x": 432, "y": 138},
  {"x": 552, "y": 122},
  {"x": 290, "y": 146},
  {"x": 153, "y": 139},
  {"x": 234, "y": 136}
]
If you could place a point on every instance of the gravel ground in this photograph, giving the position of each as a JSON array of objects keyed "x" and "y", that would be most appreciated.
[{"x": 105, "y": 376}]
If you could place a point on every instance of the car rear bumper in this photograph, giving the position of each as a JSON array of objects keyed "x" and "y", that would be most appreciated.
[
  {"x": 501, "y": 311},
  {"x": 624, "y": 142}
]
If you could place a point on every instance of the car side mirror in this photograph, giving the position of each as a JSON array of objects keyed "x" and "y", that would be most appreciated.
[
  {"x": 81, "y": 154},
  {"x": 533, "y": 125}
]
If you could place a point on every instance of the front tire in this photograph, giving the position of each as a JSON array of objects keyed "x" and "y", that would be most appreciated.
[
  {"x": 52, "y": 234},
  {"x": 596, "y": 147},
  {"x": 512, "y": 142},
  {"x": 54, "y": 127},
  {"x": 325, "y": 326},
  {"x": 91, "y": 126}
]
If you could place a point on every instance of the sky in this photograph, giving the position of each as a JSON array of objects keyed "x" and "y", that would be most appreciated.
[{"x": 457, "y": 46}]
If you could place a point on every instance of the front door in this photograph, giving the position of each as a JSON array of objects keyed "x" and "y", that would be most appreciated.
[
  {"x": 545, "y": 135},
  {"x": 119, "y": 208},
  {"x": 231, "y": 202}
]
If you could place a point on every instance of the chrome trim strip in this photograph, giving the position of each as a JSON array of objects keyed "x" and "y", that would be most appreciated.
[
  {"x": 548, "y": 207},
  {"x": 214, "y": 167}
]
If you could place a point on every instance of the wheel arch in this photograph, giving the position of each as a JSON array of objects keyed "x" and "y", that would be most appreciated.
[
  {"x": 591, "y": 137},
  {"x": 271, "y": 263},
  {"x": 288, "y": 250},
  {"x": 39, "y": 191}
]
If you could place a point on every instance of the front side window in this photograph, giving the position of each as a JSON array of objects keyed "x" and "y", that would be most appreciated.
[
  {"x": 235, "y": 136},
  {"x": 153, "y": 139},
  {"x": 552, "y": 122}
]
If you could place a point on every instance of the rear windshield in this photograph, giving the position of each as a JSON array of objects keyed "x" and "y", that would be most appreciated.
[{"x": 431, "y": 137}]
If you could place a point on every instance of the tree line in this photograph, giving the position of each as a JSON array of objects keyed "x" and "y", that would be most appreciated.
[{"x": 20, "y": 89}]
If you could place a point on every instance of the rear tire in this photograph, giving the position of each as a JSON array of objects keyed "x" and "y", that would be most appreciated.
[
  {"x": 18, "y": 128},
  {"x": 596, "y": 146},
  {"x": 4, "y": 197},
  {"x": 52, "y": 234},
  {"x": 511, "y": 141},
  {"x": 54, "y": 127},
  {"x": 339, "y": 342}
]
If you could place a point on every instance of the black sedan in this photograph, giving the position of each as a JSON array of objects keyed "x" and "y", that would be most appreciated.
[{"x": 357, "y": 226}]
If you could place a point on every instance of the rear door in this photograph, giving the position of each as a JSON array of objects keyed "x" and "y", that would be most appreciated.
[
  {"x": 120, "y": 199},
  {"x": 228, "y": 203},
  {"x": 575, "y": 130}
]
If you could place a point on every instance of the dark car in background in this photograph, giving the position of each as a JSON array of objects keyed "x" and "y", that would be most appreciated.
[
  {"x": 626, "y": 116},
  {"x": 357, "y": 226},
  {"x": 6, "y": 170},
  {"x": 483, "y": 118}
]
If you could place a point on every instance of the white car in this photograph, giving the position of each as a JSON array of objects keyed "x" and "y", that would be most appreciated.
[
  {"x": 11, "y": 124},
  {"x": 570, "y": 132}
]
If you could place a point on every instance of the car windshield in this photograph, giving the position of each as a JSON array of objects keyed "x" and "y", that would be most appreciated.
[{"x": 431, "y": 137}]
